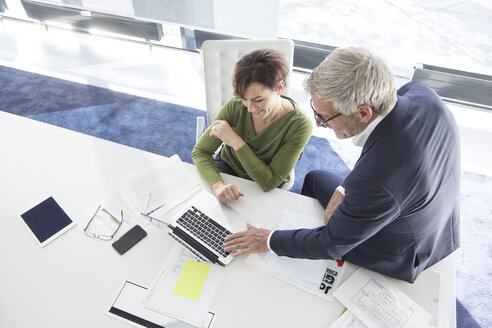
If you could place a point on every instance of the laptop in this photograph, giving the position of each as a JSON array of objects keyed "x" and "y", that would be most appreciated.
[{"x": 201, "y": 231}]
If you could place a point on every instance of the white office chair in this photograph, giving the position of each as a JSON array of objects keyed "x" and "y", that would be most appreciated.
[{"x": 219, "y": 59}]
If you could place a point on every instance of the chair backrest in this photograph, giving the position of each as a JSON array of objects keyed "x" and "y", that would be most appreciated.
[{"x": 219, "y": 59}]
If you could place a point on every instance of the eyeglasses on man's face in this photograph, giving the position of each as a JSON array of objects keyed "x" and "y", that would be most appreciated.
[
  {"x": 108, "y": 216},
  {"x": 320, "y": 119}
]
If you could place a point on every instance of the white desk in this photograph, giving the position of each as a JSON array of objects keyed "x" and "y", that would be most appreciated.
[
  {"x": 71, "y": 282},
  {"x": 18, "y": 137}
]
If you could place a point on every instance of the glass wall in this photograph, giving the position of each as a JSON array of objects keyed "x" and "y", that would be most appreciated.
[{"x": 447, "y": 33}]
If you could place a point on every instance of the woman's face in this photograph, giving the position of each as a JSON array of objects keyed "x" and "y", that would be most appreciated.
[{"x": 260, "y": 100}]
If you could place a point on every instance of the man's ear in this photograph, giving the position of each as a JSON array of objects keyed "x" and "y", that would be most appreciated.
[
  {"x": 366, "y": 113},
  {"x": 280, "y": 87}
]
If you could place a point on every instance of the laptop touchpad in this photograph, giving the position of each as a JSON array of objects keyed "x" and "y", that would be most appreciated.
[{"x": 229, "y": 218}]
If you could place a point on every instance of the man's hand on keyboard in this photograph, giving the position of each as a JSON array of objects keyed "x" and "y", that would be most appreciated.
[{"x": 252, "y": 240}]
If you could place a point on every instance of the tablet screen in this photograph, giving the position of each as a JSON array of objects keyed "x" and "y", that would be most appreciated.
[{"x": 46, "y": 221}]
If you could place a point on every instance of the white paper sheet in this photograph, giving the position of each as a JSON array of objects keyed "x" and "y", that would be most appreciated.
[
  {"x": 318, "y": 277},
  {"x": 128, "y": 307},
  {"x": 296, "y": 269},
  {"x": 347, "y": 320},
  {"x": 378, "y": 304},
  {"x": 158, "y": 186}
]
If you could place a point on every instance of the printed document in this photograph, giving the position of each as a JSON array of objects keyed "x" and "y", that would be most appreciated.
[
  {"x": 318, "y": 277},
  {"x": 159, "y": 188},
  {"x": 347, "y": 320},
  {"x": 378, "y": 304}
]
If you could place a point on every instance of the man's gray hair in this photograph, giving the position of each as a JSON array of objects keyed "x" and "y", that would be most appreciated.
[{"x": 351, "y": 77}]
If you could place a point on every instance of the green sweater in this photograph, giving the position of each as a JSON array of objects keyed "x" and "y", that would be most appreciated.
[{"x": 267, "y": 158}]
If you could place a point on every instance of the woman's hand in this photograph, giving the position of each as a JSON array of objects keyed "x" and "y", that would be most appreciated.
[
  {"x": 223, "y": 131},
  {"x": 228, "y": 192}
]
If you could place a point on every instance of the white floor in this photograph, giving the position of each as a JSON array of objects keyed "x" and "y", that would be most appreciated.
[{"x": 176, "y": 76}]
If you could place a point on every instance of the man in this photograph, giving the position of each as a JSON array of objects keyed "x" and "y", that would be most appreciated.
[{"x": 397, "y": 212}]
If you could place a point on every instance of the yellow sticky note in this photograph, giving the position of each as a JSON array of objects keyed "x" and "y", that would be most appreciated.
[{"x": 192, "y": 279}]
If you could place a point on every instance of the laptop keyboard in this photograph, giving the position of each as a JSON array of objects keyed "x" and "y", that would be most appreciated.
[{"x": 205, "y": 229}]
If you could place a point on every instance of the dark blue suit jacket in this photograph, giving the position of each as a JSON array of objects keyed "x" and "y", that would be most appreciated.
[{"x": 400, "y": 213}]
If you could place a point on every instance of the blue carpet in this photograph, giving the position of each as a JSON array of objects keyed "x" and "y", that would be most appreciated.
[
  {"x": 151, "y": 125},
  {"x": 474, "y": 257},
  {"x": 168, "y": 129}
]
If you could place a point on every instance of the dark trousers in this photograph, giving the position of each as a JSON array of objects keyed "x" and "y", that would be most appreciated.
[
  {"x": 321, "y": 185},
  {"x": 222, "y": 166}
]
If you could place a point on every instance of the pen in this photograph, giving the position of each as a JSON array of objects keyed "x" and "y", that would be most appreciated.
[
  {"x": 152, "y": 219},
  {"x": 194, "y": 189},
  {"x": 146, "y": 203}
]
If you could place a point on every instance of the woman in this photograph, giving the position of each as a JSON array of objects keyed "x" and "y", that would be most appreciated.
[{"x": 263, "y": 132}]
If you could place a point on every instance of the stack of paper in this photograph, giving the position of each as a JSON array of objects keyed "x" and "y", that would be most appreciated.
[
  {"x": 318, "y": 277},
  {"x": 348, "y": 320},
  {"x": 185, "y": 288},
  {"x": 159, "y": 189},
  {"x": 180, "y": 296},
  {"x": 372, "y": 301},
  {"x": 128, "y": 306}
]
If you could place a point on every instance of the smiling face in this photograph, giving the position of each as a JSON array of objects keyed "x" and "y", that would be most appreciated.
[
  {"x": 343, "y": 126},
  {"x": 261, "y": 101}
]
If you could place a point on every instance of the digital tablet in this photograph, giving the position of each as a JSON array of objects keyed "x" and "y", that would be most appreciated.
[{"x": 46, "y": 221}]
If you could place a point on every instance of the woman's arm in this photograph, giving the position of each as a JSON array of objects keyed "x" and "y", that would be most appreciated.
[
  {"x": 270, "y": 176},
  {"x": 205, "y": 148},
  {"x": 202, "y": 155}
]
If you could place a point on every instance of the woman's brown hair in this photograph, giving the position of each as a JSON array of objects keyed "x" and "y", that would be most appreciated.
[{"x": 266, "y": 67}]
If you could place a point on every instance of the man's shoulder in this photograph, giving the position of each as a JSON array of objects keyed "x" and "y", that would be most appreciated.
[
  {"x": 417, "y": 96},
  {"x": 417, "y": 90}
]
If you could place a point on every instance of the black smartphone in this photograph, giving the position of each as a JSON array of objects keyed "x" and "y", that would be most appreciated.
[{"x": 129, "y": 239}]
